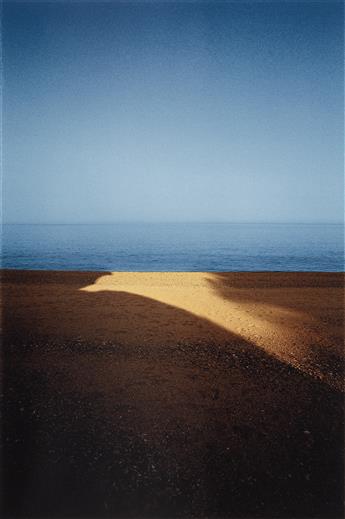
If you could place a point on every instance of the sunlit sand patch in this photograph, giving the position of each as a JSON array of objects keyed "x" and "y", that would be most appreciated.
[{"x": 283, "y": 332}]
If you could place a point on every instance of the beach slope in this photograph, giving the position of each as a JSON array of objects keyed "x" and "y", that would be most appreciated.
[{"x": 172, "y": 394}]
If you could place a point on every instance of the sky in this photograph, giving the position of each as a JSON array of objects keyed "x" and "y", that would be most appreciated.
[{"x": 173, "y": 111}]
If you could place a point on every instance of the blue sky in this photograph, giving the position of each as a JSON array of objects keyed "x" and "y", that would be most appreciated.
[{"x": 173, "y": 111}]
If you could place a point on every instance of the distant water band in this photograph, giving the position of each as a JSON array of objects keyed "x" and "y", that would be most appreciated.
[{"x": 175, "y": 247}]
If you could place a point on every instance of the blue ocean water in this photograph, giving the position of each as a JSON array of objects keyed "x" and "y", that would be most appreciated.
[{"x": 174, "y": 247}]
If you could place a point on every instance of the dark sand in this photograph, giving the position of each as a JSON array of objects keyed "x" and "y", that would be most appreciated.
[{"x": 172, "y": 395}]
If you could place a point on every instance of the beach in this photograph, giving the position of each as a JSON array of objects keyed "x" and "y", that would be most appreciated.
[{"x": 169, "y": 394}]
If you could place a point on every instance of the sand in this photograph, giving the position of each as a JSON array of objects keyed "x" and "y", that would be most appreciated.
[
  {"x": 297, "y": 318},
  {"x": 173, "y": 394}
]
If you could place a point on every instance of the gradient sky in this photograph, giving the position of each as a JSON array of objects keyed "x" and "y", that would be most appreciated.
[{"x": 173, "y": 111}]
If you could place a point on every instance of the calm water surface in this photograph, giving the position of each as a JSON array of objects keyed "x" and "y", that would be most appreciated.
[{"x": 174, "y": 247}]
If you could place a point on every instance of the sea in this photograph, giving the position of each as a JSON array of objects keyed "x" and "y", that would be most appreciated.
[{"x": 189, "y": 247}]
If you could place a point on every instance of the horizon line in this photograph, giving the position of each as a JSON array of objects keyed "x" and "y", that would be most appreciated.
[{"x": 181, "y": 222}]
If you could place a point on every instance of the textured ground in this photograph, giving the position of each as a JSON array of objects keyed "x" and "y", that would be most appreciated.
[{"x": 173, "y": 394}]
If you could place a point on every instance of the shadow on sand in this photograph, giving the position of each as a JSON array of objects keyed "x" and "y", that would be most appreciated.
[
  {"x": 266, "y": 287},
  {"x": 102, "y": 419},
  {"x": 308, "y": 304}
]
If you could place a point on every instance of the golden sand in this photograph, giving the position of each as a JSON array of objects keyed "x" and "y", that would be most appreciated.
[{"x": 294, "y": 317}]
